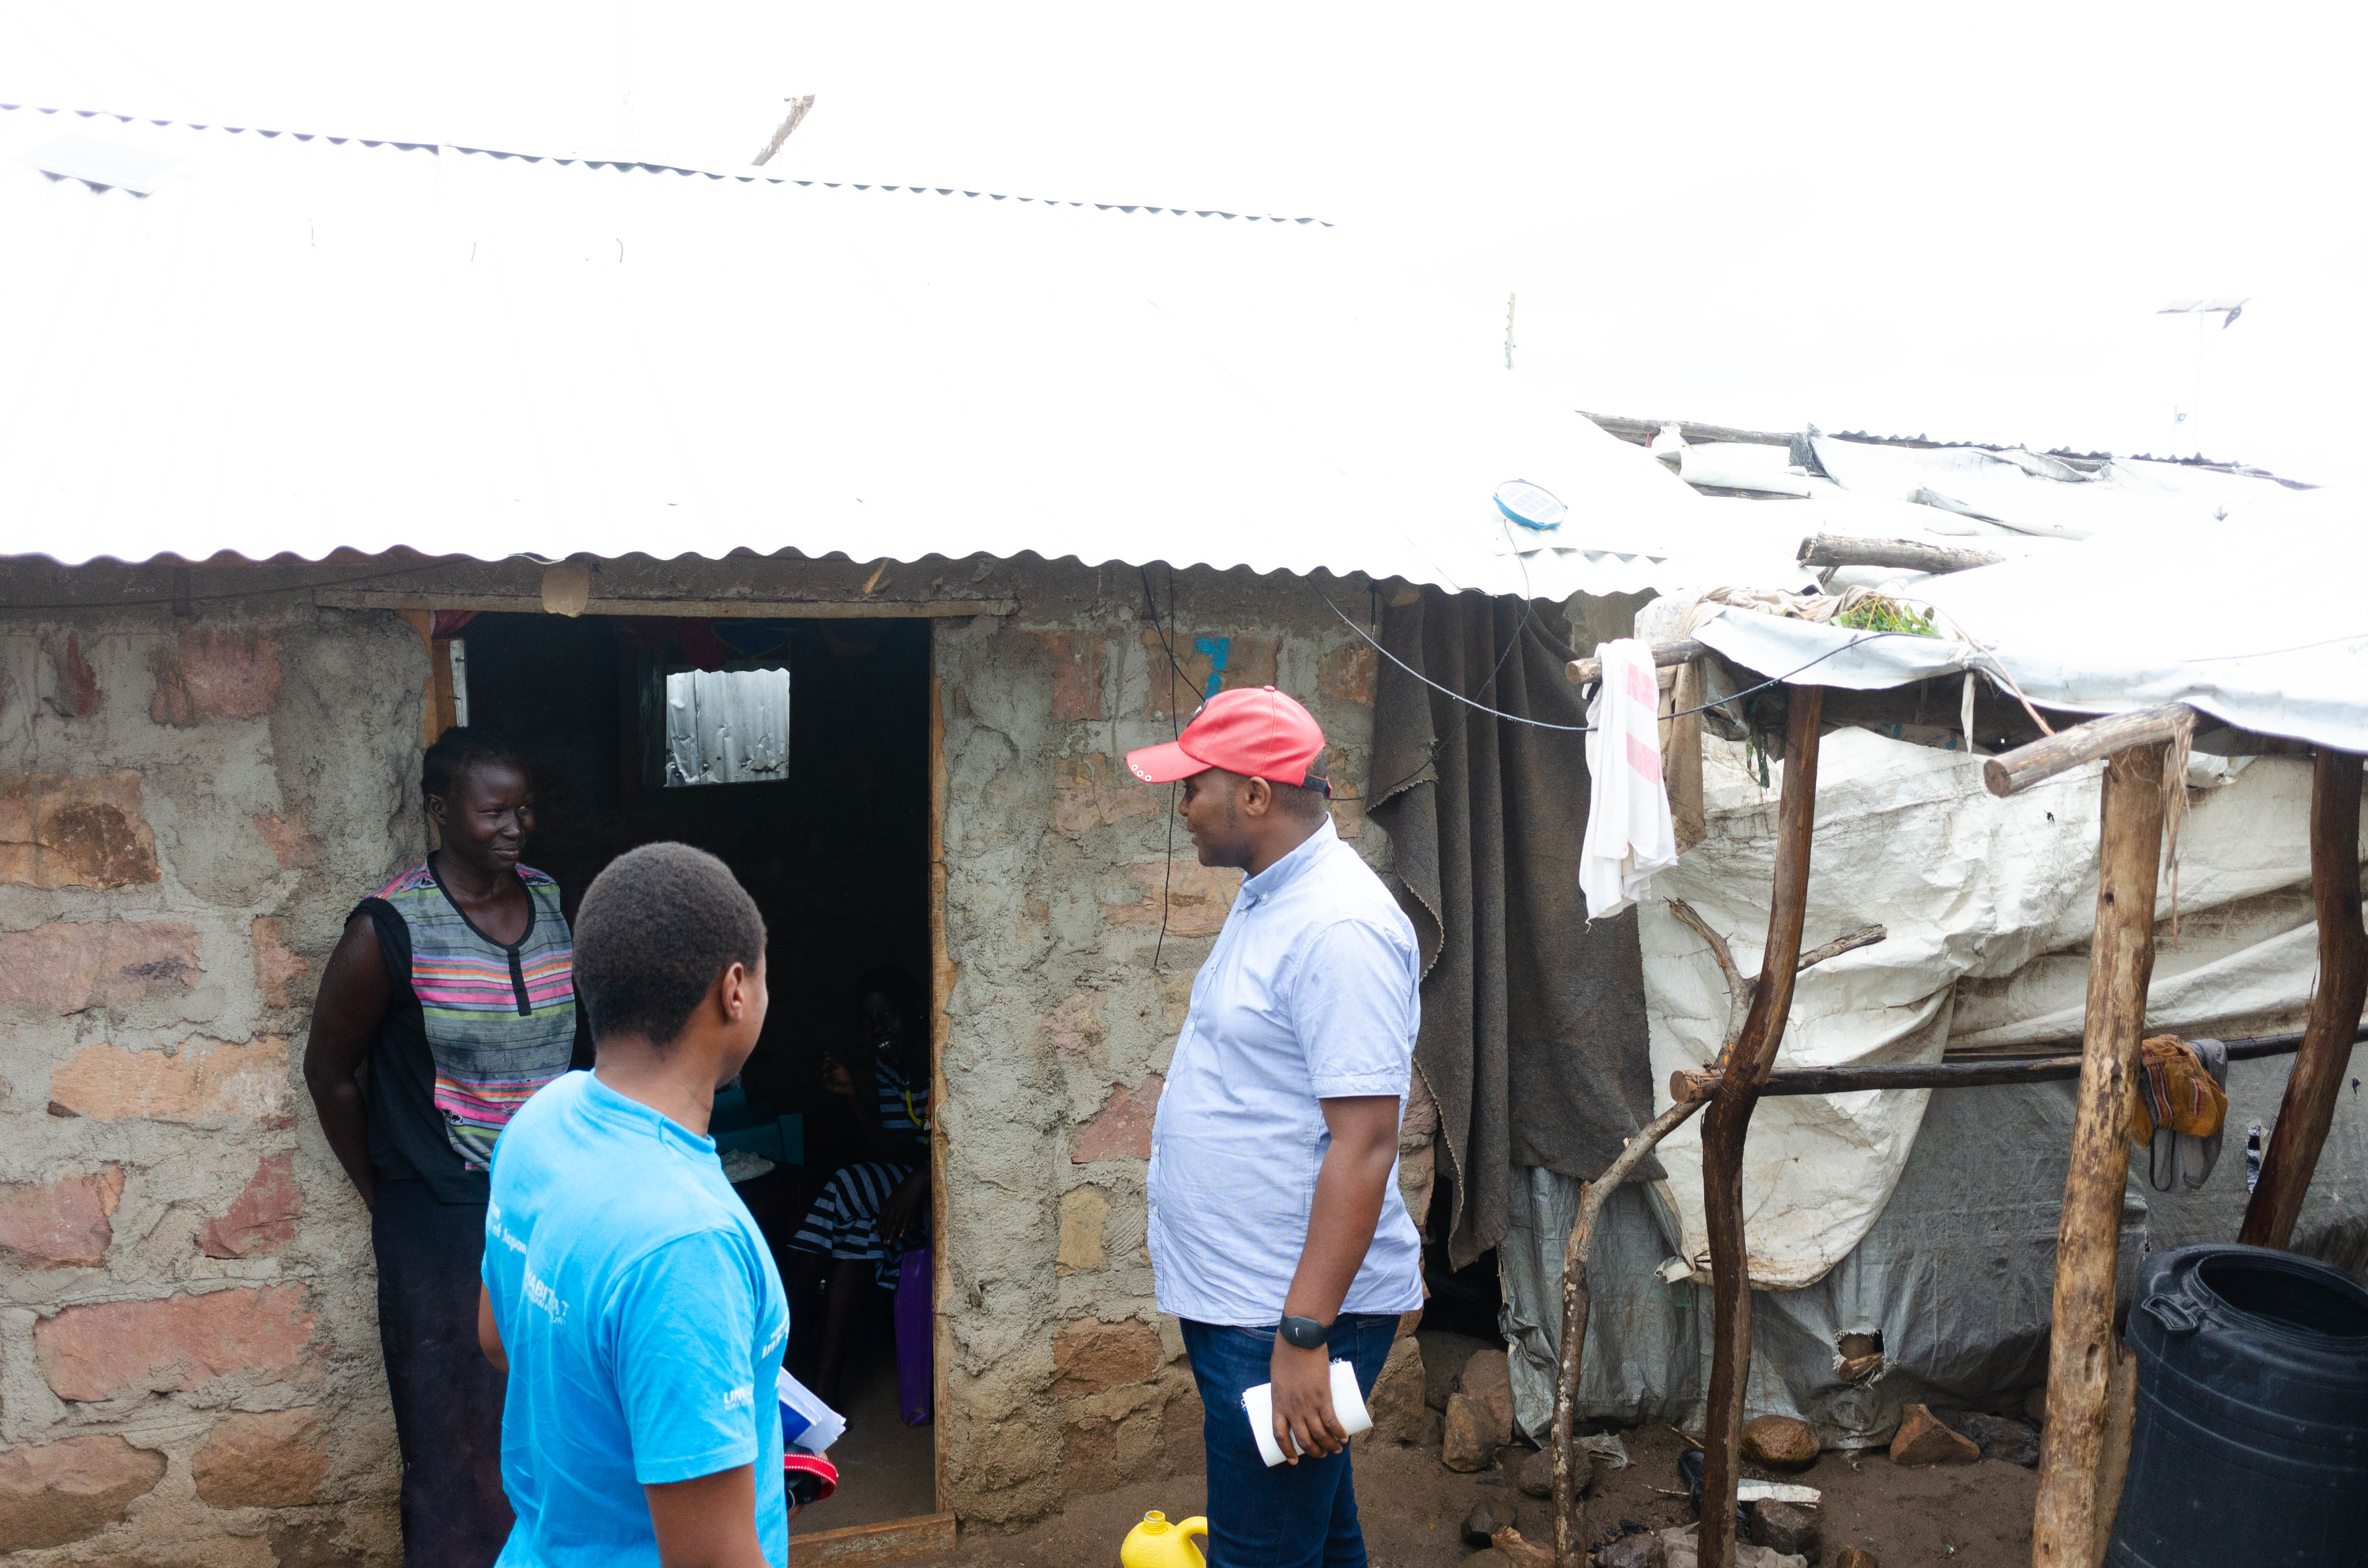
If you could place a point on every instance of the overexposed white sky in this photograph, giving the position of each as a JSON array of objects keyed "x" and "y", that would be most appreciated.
[{"x": 1949, "y": 220}]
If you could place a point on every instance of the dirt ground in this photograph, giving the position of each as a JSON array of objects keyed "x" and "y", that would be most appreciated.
[{"x": 1975, "y": 1516}]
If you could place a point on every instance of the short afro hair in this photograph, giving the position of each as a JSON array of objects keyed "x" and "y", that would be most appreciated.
[
  {"x": 654, "y": 930},
  {"x": 455, "y": 753}
]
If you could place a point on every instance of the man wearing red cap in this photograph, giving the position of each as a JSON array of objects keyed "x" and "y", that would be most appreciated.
[{"x": 1277, "y": 1233}]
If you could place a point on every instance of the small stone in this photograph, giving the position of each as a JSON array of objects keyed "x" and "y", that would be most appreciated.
[
  {"x": 1781, "y": 1526},
  {"x": 1632, "y": 1551},
  {"x": 1487, "y": 1516},
  {"x": 1536, "y": 1475},
  {"x": 1433, "y": 1432},
  {"x": 2034, "y": 1405},
  {"x": 1780, "y": 1442},
  {"x": 1855, "y": 1557},
  {"x": 1998, "y": 1436},
  {"x": 1487, "y": 1380},
  {"x": 1858, "y": 1368},
  {"x": 1924, "y": 1439},
  {"x": 1469, "y": 1440},
  {"x": 1520, "y": 1551}
]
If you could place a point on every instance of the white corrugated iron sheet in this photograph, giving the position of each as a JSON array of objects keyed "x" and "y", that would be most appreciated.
[{"x": 295, "y": 344}]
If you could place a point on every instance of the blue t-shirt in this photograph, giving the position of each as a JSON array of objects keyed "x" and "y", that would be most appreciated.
[{"x": 644, "y": 1323}]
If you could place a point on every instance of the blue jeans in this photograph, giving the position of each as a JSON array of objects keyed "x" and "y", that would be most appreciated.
[{"x": 1302, "y": 1516}]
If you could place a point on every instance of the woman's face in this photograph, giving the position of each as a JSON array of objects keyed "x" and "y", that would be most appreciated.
[
  {"x": 882, "y": 1020},
  {"x": 485, "y": 819}
]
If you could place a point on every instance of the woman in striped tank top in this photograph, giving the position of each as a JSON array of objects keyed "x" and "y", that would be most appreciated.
[
  {"x": 453, "y": 985},
  {"x": 858, "y": 1231}
]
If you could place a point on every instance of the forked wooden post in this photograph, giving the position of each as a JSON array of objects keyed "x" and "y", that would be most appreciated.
[
  {"x": 1729, "y": 1119},
  {"x": 2088, "y": 1238},
  {"x": 1569, "y": 1551},
  {"x": 2309, "y": 1103}
]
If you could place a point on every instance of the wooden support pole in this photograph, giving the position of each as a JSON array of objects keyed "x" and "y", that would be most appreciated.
[
  {"x": 2012, "y": 772},
  {"x": 1688, "y": 1084},
  {"x": 1841, "y": 549},
  {"x": 2088, "y": 1238},
  {"x": 1587, "y": 672},
  {"x": 1570, "y": 1550},
  {"x": 1730, "y": 1119},
  {"x": 2308, "y": 1107}
]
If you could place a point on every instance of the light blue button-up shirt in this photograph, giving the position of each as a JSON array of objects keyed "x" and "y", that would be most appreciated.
[{"x": 1310, "y": 994}]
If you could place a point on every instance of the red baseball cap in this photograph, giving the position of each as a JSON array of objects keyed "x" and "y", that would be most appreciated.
[{"x": 1259, "y": 734}]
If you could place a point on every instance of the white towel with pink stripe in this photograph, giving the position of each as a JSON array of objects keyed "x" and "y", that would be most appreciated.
[{"x": 1628, "y": 832}]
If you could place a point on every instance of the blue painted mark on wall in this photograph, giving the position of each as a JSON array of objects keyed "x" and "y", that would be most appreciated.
[{"x": 1217, "y": 648}]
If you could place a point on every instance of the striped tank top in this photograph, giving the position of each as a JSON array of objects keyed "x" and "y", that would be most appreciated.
[{"x": 477, "y": 1026}]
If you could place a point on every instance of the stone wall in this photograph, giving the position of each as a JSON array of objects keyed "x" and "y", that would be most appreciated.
[
  {"x": 188, "y": 808},
  {"x": 1064, "y": 1377},
  {"x": 188, "y": 1355}
]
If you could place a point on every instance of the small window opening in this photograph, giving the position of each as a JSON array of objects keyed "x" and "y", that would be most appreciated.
[{"x": 726, "y": 726}]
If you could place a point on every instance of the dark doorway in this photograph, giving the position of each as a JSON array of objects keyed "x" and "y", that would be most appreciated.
[{"x": 832, "y": 841}]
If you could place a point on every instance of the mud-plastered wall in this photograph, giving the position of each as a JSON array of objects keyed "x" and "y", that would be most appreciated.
[
  {"x": 1074, "y": 923},
  {"x": 189, "y": 1367}
]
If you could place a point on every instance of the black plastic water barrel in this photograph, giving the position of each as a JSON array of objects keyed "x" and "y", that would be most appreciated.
[{"x": 2251, "y": 1442}]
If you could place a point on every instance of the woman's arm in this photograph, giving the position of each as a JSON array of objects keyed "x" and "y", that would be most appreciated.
[{"x": 356, "y": 992}]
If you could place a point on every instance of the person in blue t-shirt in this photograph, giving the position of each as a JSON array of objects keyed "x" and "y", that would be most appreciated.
[{"x": 628, "y": 1298}]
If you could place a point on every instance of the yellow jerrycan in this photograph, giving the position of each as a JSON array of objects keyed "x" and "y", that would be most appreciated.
[{"x": 1155, "y": 1543}]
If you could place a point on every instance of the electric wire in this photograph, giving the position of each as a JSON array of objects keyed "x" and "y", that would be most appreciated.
[{"x": 1859, "y": 641}]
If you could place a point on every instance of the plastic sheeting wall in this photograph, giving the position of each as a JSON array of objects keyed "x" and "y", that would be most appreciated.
[{"x": 1957, "y": 1275}]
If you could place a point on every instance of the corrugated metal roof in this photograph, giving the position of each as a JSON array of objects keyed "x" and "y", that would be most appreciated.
[
  {"x": 298, "y": 343},
  {"x": 636, "y": 165}
]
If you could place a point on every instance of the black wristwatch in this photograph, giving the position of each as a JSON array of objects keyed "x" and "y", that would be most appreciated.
[{"x": 1306, "y": 1333}]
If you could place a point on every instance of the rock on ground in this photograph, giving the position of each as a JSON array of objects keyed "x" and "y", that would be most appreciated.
[
  {"x": 1487, "y": 1380},
  {"x": 1443, "y": 1356},
  {"x": 1855, "y": 1557},
  {"x": 1471, "y": 1440},
  {"x": 1536, "y": 1475},
  {"x": 1632, "y": 1551},
  {"x": 1924, "y": 1439},
  {"x": 1780, "y": 1442},
  {"x": 1487, "y": 1517},
  {"x": 1998, "y": 1436},
  {"x": 1782, "y": 1527},
  {"x": 1396, "y": 1405},
  {"x": 1432, "y": 1431}
]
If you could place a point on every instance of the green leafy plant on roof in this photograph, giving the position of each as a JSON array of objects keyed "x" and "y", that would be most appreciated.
[{"x": 1881, "y": 612}]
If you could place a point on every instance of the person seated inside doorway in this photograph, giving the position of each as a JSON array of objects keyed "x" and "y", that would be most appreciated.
[{"x": 856, "y": 1234}]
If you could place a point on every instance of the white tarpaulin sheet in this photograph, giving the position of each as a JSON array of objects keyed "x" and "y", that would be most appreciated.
[
  {"x": 2259, "y": 623},
  {"x": 1986, "y": 902},
  {"x": 1948, "y": 1254}
]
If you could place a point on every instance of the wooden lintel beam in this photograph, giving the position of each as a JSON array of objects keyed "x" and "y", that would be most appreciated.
[
  {"x": 2010, "y": 773},
  {"x": 1587, "y": 672},
  {"x": 2308, "y": 1108},
  {"x": 1729, "y": 1120},
  {"x": 2088, "y": 1237},
  {"x": 703, "y": 610},
  {"x": 1841, "y": 549}
]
